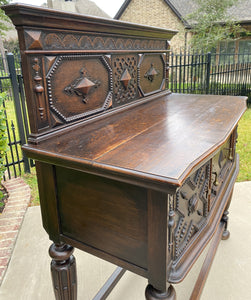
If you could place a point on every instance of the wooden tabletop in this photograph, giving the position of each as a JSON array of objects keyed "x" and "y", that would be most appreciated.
[{"x": 161, "y": 140}]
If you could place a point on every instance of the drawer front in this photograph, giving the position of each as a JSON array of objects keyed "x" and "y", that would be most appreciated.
[
  {"x": 191, "y": 208},
  {"x": 198, "y": 195},
  {"x": 221, "y": 165}
]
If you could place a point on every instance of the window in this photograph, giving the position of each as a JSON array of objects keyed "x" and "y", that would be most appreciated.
[
  {"x": 227, "y": 52},
  {"x": 244, "y": 53}
]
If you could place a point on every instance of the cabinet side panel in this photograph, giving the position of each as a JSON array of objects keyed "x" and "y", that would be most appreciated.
[{"x": 105, "y": 214}]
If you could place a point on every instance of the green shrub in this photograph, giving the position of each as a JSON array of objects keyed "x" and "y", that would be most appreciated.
[{"x": 3, "y": 137}]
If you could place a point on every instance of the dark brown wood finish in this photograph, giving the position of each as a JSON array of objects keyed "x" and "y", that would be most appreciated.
[
  {"x": 63, "y": 271},
  {"x": 154, "y": 294},
  {"x": 157, "y": 240},
  {"x": 48, "y": 199},
  {"x": 104, "y": 223},
  {"x": 201, "y": 237},
  {"x": 176, "y": 132},
  {"x": 126, "y": 170}
]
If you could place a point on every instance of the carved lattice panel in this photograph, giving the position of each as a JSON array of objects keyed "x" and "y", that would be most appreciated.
[
  {"x": 191, "y": 208},
  {"x": 78, "y": 86},
  {"x": 125, "y": 87}
]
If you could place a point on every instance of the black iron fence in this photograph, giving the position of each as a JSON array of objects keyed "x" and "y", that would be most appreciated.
[
  {"x": 220, "y": 74},
  {"x": 16, "y": 117},
  {"x": 189, "y": 73}
]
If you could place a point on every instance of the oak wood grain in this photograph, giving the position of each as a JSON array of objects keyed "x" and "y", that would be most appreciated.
[{"x": 163, "y": 140}]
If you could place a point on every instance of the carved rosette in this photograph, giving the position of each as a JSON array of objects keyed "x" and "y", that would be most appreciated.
[{"x": 191, "y": 208}]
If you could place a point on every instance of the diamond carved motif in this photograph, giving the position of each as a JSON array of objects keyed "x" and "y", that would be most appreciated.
[
  {"x": 55, "y": 120},
  {"x": 49, "y": 61},
  {"x": 151, "y": 73},
  {"x": 125, "y": 78},
  {"x": 86, "y": 90},
  {"x": 125, "y": 75},
  {"x": 151, "y": 69},
  {"x": 35, "y": 40},
  {"x": 82, "y": 86}
]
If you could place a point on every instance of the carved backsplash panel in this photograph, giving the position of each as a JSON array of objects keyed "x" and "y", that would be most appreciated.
[
  {"x": 71, "y": 87},
  {"x": 79, "y": 85},
  {"x": 152, "y": 73},
  {"x": 79, "y": 70}
]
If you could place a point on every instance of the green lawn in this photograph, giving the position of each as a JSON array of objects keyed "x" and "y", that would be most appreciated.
[
  {"x": 31, "y": 180},
  {"x": 244, "y": 146}
]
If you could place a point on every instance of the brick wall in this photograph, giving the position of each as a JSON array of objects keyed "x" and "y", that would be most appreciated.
[{"x": 155, "y": 13}]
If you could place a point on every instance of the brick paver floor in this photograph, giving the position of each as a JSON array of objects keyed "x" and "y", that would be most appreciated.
[{"x": 12, "y": 218}]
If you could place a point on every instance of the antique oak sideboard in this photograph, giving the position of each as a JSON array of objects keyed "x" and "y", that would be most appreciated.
[{"x": 127, "y": 171}]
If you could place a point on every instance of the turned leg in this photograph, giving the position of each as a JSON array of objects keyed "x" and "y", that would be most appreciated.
[
  {"x": 63, "y": 271},
  {"x": 226, "y": 233},
  {"x": 153, "y": 294}
]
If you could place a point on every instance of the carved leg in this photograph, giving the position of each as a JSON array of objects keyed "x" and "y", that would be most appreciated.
[
  {"x": 153, "y": 294},
  {"x": 63, "y": 271},
  {"x": 226, "y": 233}
]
